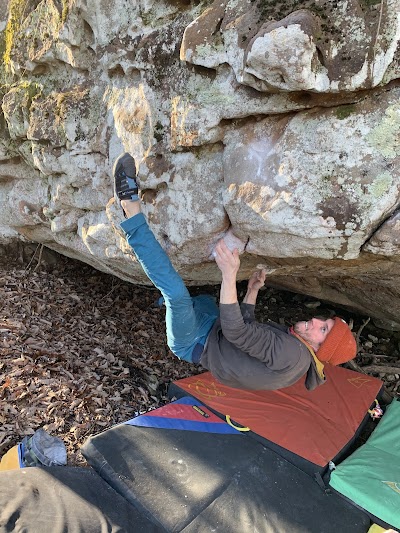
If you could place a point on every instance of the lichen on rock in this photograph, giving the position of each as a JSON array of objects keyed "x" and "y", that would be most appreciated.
[
  {"x": 385, "y": 137},
  {"x": 274, "y": 122}
]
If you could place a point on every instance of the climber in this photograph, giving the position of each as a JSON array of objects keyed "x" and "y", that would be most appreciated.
[{"x": 239, "y": 351}]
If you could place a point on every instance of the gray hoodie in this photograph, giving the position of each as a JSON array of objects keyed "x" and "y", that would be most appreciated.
[{"x": 245, "y": 354}]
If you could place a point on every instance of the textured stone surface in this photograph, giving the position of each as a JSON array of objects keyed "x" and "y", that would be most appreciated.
[
  {"x": 386, "y": 240},
  {"x": 316, "y": 46},
  {"x": 316, "y": 184},
  {"x": 274, "y": 125}
]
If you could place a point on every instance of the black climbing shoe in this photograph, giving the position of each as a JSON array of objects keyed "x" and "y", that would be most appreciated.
[{"x": 125, "y": 186}]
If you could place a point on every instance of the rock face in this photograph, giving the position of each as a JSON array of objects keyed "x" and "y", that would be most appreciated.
[{"x": 278, "y": 125}]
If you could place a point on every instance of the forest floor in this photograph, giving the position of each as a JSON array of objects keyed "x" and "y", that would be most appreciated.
[{"x": 81, "y": 350}]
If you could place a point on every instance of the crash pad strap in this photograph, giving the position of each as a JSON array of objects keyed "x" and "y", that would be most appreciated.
[{"x": 186, "y": 414}]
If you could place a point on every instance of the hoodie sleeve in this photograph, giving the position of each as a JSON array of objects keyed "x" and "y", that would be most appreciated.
[
  {"x": 257, "y": 341},
  {"x": 247, "y": 311}
]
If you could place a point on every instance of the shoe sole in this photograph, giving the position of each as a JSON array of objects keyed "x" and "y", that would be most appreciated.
[{"x": 119, "y": 162}]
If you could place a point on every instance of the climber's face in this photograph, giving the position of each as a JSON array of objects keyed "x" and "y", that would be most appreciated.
[{"x": 314, "y": 331}]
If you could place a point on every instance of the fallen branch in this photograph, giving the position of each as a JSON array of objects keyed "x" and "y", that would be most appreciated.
[
  {"x": 380, "y": 355},
  {"x": 354, "y": 366},
  {"x": 382, "y": 369},
  {"x": 40, "y": 258},
  {"x": 361, "y": 328},
  {"x": 33, "y": 257}
]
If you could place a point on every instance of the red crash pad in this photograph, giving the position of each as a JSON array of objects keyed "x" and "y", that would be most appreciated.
[{"x": 315, "y": 425}]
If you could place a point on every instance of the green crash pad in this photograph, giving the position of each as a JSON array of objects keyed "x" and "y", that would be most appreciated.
[{"x": 370, "y": 477}]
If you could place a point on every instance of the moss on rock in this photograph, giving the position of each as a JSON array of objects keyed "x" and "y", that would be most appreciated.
[
  {"x": 345, "y": 111},
  {"x": 16, "y": 11}
]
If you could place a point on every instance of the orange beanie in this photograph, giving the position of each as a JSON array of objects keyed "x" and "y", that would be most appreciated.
[{"x": 339, "y": 345}]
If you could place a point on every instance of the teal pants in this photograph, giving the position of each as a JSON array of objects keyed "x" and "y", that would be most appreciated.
[{"x": 188, "y": 320}]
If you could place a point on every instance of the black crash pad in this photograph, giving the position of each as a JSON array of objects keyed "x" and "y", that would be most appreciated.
[{"x": 190, "y": 477}]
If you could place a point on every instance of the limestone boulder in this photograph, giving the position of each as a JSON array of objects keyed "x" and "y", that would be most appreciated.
[
  {"x": 273, "y": 125},
  {"x": 320, "y": 47}
]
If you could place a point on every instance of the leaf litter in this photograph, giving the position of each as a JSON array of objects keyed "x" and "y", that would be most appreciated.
[{"x": 81, "y": 351}]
